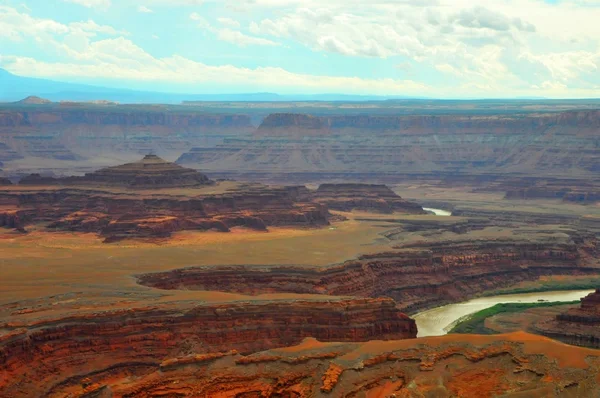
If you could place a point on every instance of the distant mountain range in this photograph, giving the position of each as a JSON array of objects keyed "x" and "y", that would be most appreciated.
[{"x": 14, "y": 88}]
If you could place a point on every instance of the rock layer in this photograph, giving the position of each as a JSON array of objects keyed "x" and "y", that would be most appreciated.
[
  {"x": 362, "y": 147},
  {"x": 122, "y": 215},
  {"x": 368, "y": 197},
  {"x": 462, "y": 366},
  {"x": 47, "y": 355},
  {"x": 419, "y": 277},
  {"x": 578, "y": 326},
  {"x": 151, "y": 172},
  {"x": 69, "y": 132}
]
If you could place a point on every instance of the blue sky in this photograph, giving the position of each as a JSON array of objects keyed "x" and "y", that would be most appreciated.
[{"x": 434, "y": 48}]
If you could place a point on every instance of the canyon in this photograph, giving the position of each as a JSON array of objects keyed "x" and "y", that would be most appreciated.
[
  {"x": 391, "y": 148},
  {"x": 74, "y": 132},
  {"x": 421, "y": 276},
  {"x": 284, "y": 253}
]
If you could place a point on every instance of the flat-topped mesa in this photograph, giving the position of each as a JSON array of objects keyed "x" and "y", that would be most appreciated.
[
  {"x": 293, "y": 119},
  {"x": 584, "y": 120},
  {"x": 145, "y": 199},
  {"x": 578, "y": 326},
  {"x": 149, "y": 172},
  {"x": 367, "y": 197},
  {"x": 456, "y": 148}
]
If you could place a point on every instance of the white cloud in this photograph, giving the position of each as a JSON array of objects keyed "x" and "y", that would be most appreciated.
[
  {"x": 144, "y": 10},
  {"x": 229, "y": 22},
  {"x": 242, "y": 39},
  {"x": 18, "y": 26},
  {"x": 515, "y": 47},
  {"x": 121, "y": 59},
  {"x": 229, "y": 35},
  {"x": 103, "y": 4}
]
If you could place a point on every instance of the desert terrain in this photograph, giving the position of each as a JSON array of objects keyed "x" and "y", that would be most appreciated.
[{"x": 285, "y": 255}]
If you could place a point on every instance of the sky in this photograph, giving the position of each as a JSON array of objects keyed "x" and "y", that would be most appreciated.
[{"x": 425, "y": 48}]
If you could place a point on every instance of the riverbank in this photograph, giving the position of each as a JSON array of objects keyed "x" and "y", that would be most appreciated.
[
  {"x": 438, "y": 212},
  {"x": 475, "y": 323},
  {"x": 440, "y": 320}
]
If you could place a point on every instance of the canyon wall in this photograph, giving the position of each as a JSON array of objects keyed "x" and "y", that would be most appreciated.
[
  {"x": 71, "y": 132},
  {"x": 360, "y": 147},
  {"x": 40, "y": 356},
  {"x": 577, "y": 326},
  {"x": 420, "y": 276},
  {"x": 117, "y": 216},
  {"x": 366, "y": 197}
]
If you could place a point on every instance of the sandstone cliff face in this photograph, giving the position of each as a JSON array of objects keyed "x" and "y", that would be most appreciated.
[
  {"x": 40, "y": 357},
  {"x": 118, "y": 216},
  {"x": 422, "y": 277},
  {"x": 120, "y": 116},
  {"x": 365, "y": 147},
  {"x": 367, "y": 197},
  {"x": 578, "y": 326},
  {"x": 68, "y": 133}
]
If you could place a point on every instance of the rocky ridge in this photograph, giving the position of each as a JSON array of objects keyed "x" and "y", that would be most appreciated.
[
  {"x": 75, "y": 132},
  {"x": 151, "y": 172},
  {"x": 368, "y": 197},
  {"x": 578, "y": 326},
  {"x": 395, "y": 148},
  {"x": 418, "y": 277},
  {"x": 47, "y": 355},
  {"x": 462, "y": 366}
]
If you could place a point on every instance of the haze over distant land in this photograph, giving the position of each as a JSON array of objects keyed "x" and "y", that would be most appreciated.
[
  {"x": 394, "y": 48},
  {"x": 15, "y": 88}
]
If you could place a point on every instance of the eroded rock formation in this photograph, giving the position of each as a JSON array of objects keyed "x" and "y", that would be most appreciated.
[
  {"x": 394, "y": 148},
  {"x": 460, "y": 366},
  {"x": 578, "y": 326},
  {"x": 368, "y": 197},
  {"x": 151, "y": 172},
  {"x": 71, "y": 132},
  {"x": 421, "y": 276},
  {"x": 48, "y": 356}
]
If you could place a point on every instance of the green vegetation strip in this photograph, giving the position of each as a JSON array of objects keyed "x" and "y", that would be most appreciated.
[{"x": 475, "y": 323}]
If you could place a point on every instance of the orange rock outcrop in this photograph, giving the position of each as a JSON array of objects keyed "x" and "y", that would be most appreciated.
[
  {"x": 463, "y": 366},
  {"x": 48, "y": 355}
]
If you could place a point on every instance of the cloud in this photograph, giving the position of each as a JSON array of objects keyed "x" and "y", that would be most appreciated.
[
  {"x": 120, "y": 58},
  {"x": 480, "y": 17},
  {"x": 517, "y": 47},
  {"x": 144, "y": 10},
  {"x": 91, "y": 3},
  {"x": 229, "y": 22},
  {"x": 242, "y": 39},
  {"x": 18, "y": 26},
  {"x": 230, "y": 35}
]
